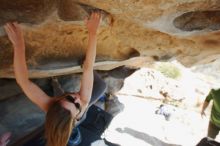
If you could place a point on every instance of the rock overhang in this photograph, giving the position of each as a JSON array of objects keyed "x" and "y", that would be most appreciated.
[{"x": 132, "y": 32}]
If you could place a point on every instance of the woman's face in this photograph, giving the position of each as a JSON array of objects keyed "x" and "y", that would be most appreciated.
[{"x": 71, "y": 104}]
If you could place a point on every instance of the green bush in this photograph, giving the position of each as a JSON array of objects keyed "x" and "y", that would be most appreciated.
[{"x": 169, "y": 70}]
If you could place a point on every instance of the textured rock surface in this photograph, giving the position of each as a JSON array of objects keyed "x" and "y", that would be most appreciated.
[{"x": 156, "y": 30}]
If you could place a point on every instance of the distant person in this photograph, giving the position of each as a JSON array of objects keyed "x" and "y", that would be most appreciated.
[
  {"x": 165, "y": 110},
  {"x": 214, "y": 123},
  {"x": 66, "y": 111}
]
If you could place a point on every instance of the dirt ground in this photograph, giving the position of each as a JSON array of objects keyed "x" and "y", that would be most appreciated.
[{"x": 138, "y": 124}]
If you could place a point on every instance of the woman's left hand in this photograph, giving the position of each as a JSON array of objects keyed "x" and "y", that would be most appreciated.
[{"x": 15, "y": 34}]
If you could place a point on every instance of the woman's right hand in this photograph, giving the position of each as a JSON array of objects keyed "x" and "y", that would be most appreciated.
[
  {"x": 93, "y": 22},
  {"x": 15, "y": 34}
]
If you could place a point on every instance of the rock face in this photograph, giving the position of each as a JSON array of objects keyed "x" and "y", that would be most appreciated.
[{"x": 132, "y": 32}]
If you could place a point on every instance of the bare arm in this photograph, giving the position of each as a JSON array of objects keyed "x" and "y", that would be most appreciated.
[
  {"x": 204, "y": 106},
  {"x": 33, "y": 92},
  {"x": 87, "y": 76}
]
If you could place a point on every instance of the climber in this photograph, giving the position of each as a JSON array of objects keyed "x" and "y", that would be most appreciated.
[{"x": 65, "y": 112}]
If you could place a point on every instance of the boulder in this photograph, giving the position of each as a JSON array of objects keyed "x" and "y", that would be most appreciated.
[{"x": 133, "y": 32}]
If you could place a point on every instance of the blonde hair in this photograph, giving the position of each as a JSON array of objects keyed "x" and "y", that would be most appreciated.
[{"x": 59, "y": 125}]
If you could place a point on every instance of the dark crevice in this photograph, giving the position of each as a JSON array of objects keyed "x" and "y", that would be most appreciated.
[
  {"x": 156, "y": 58},
  {"x": 69, "y": 10},
  {"x": 89, "y": 9},
  {"x": 26, "y": 11},
  {"x": 162, "y": 58},
  {"x": 133, "y": 53},
  {"x": 198, "y": 20}
]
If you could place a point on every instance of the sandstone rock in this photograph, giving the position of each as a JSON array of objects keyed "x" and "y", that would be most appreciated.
[{"x": 56, "y": 37}]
